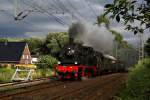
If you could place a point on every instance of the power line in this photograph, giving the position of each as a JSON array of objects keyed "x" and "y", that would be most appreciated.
[
  {"x": 55, "y": 17},
  {"x": 75, "y": 9},
  {"x": 59, "y": 20},
  {"x": 21, "y": 15},
  {"x": 62, "y": 6},
  {"x": 89, "y": 5},
  {"x": 36, "y": 8},
  {"x": 54, "y": 4}
]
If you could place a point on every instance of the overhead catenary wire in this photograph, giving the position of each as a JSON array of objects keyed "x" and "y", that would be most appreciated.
[
  {"x": 43, "y": 10},
  {"x": 13, "y": 15},
  {"x": 59, "y": 20},
  {"x": 53, "y": 5},
  {"x": 76, "y": 10},
  {"x": 39, "y": 10},
  {"x": 52, "y": 8},
  {"x": 89, "y": 5},
  {"x": 59, "y": 6},
  {"x": 62, "y": 6}
]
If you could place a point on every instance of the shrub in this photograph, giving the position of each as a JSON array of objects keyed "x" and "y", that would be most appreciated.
[
  {"x": 47, "y": 62},
  {"x": 138, "y": 83}
]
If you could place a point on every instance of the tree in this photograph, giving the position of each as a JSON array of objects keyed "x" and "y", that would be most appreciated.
[
  {"x": 102, "y": 19},
  {"x": 3, "y": 40},
  {"x": 45, "y": 62},
  {"x": 131, "y": 11},
  {"x": 56, "y": 41},
  {"x": 147, "y": 47}
]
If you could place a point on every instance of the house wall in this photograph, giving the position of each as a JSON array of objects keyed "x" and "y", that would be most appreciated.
[{"x": 26, "y": 57}]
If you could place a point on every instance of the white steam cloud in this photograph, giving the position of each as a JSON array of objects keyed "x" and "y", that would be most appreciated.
[{"x": 99, "y": 38}]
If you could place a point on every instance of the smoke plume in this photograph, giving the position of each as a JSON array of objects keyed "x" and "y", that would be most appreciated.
[{"x": 99, "y": 38}]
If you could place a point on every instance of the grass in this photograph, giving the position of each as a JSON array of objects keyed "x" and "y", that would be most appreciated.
[{"x": 7, "y": 73}]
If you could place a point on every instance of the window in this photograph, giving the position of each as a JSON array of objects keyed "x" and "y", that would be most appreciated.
[
  {"x": 23, "y": 56},
  {"x": 27, "y": 57}
]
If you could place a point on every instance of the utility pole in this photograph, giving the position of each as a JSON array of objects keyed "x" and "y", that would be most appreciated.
[
  {"x": 141, "y": 47},
  {"x": 115, "y": 49}
]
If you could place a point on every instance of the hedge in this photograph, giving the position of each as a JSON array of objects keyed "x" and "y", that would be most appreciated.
[{"x": 138, "y": 83}]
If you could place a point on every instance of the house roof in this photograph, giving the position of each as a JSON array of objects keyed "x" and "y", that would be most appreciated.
[{"x": 11, "y": 51}]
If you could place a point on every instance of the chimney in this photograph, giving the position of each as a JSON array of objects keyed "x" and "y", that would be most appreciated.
[{"x": 71, "y": 40}]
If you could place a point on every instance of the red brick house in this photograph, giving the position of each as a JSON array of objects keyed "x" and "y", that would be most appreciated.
[{"x": 14, "y": 53}]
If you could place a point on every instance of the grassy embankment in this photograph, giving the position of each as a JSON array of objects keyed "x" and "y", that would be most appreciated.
[{"x": 7, "y": 73}]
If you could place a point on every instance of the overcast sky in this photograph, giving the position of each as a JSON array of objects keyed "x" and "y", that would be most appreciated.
[{"x": 51, "y": 16}]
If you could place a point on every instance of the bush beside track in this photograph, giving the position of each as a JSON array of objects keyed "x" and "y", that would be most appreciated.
[{"x": 137, "y": 86}]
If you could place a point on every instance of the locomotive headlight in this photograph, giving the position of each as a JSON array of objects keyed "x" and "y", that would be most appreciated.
[
  {"x": 76, "y": 62},
  {"x": 59, "y": 62},
  {"x": 72, "y": 51}
]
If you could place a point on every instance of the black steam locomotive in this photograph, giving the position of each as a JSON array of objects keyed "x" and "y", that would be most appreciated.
[{"x": 77, "y": 61}]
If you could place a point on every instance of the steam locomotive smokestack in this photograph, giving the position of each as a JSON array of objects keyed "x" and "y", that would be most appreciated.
[
  {"x": 76, "y": 29},
  {"x": 71, "y": 40}
]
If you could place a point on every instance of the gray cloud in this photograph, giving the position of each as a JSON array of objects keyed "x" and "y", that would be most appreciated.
[{"x": 39, "y": 24}]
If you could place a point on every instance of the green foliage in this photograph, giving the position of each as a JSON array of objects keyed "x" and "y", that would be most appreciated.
[
  {"x": 147, "y": 47},
  {"x": 39, "y": 73},
  {"x": 138, "y": 83},
  {"x": 119, "y": 39},
  {"x": 47, "y": 61},
  {"x": 52, "y": 44},
  {"x": 6, "y": 74},
  {"x": 102, "y": 19},
  {"x": 10, "y": 39},
  {"x": 3, "y": 40},
  {"x": 56, "y": 41},
  {"x": 130, "y": 11}
]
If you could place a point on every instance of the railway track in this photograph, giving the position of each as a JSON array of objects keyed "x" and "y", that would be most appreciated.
[
  {"x": 15, "y": 85},
  {"x": 57, "y": 90},
  {"x": 26, "y": 89},
  {"x": 84, "y": 91},
  {"x": 21, "y": 82}
]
